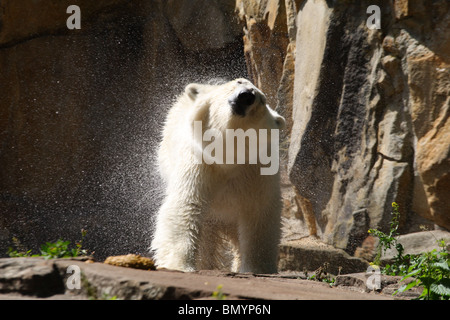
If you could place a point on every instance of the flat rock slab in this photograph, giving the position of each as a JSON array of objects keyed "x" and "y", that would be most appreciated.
[
  {"x": 310, "y": 254},
  {"x": 417, "y": 243},
  {"x": 36, "y": 278},
  {"x": 386, "y": 285}
]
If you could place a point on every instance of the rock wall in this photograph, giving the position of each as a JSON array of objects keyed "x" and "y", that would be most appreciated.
[
  {"x": 81, "y": 111},
  {"x": 368, "y": 111}
]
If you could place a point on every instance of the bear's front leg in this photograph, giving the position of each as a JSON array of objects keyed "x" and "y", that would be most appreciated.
[
  {"x": 259, "y": 239},
  {"x": 175, "y": 241}
]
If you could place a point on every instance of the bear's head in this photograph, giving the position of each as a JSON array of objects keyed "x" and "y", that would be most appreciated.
[
  {"x": 232, "y": 124},
  {"x": 237, "y": 104}
]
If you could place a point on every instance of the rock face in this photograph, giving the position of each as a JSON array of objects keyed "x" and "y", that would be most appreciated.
[
  {"x": 417, "y": 243},
  {"x": 80, "y": 112},
  {"x": 296, "y": 255},
  {"x": 30, "y": 277},
  {"x": 368, "y": 110}
]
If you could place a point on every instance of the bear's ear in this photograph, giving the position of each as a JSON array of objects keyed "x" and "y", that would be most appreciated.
[
  {"x": 280, "y": 121},
  {"x": 192, "y": 90}
]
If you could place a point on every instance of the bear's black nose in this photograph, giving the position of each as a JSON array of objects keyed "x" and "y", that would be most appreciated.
[
  {"x": 241, "y": 101},
  {"x": 246, "y": 98}
]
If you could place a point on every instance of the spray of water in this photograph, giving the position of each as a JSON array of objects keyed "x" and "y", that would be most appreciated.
[{"x": 99, "y": 105}]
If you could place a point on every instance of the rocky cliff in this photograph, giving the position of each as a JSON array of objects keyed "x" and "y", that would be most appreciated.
[
  {"x": 80, "y": 110},
  {"x": 368, "y": 110}
]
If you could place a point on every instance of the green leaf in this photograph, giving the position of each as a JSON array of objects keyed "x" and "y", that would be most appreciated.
[
  {"x": 413, "y": 273},
  {"x": 408, "y": 286},
  {"x": 427, "y": 281},
  {"x": 441, "y": 265},
  {"x": 441, "y": 287}
]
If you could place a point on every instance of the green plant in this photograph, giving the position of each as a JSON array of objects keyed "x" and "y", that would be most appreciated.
[
  {"x": 387, "y": 241},
  {"x": 79, "y": 245},
  {"x": 218, "y": 294},
  {"x": 322, "y": 275},
  {"x": 430, "y": 270},
  {"x": 58, "y": 249},
  {"x": 106, "y": 296},
  {"x": 20, "y": 251},
  {"x": 50, "y": 250}
]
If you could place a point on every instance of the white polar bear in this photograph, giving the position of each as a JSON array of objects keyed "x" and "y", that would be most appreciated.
[{"x": 210, "y": 207}]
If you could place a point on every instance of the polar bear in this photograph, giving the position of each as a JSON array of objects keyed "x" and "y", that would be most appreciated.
[{"x": 223, "y": 213}]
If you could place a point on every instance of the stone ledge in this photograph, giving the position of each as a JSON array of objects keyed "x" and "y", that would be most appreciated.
[
  {"x": 388, "y": 284},
  {"x": 418, "y": 242},
  {"x": 299, "y": 255},
  {"x": 102, "y": 281}
]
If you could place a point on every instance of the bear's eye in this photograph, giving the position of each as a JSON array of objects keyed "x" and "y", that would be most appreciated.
[{"x": 239, "y": 82}]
